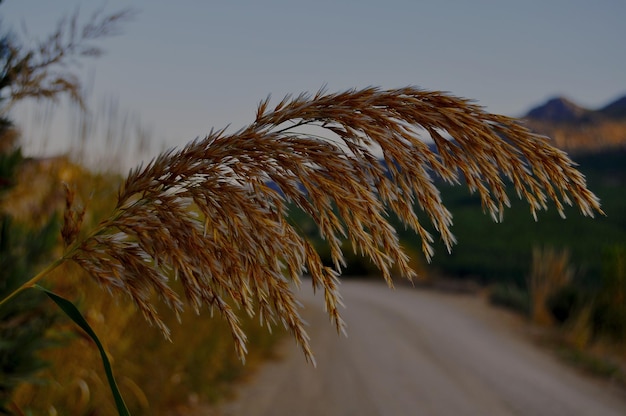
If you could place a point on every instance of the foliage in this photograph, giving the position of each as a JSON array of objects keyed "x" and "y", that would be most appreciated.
[
  {"x": 154, "y": 377},
  {"x": 22, "y": 323},
  {"x": 567, "y": 302},
  {"x": 9, "y": 162},
  {"x": 511, "y": 297},
  {"x": 198, "y": 365},
  {"x": 609, "y": 317},
  {"x": 22, "y": 250},
  {"x": 74, "y": 314}
]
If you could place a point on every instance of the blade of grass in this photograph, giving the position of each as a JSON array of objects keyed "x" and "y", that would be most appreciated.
[{"x": 74, "y": 314}]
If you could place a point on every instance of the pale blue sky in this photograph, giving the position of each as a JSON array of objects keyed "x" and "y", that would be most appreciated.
[{"x": 184, "y": 67}]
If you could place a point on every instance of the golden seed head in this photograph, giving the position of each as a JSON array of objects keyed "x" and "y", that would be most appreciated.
[{"x": 206, "y": 215}]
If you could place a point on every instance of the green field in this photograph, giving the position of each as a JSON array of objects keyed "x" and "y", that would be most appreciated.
[{"x": 492, "y": 252}]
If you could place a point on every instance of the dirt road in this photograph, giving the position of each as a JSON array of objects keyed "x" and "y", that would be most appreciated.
[{"x": 417, "y": 352}]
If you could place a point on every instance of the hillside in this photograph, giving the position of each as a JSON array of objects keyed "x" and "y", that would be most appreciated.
[
  {"x": 577, "y": 129},
  {"x": 616, "y": 109},
  {"x": 560, "y": 110}
]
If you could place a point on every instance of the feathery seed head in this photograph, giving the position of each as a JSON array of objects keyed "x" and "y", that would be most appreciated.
[{"x": 206, "y": 215}]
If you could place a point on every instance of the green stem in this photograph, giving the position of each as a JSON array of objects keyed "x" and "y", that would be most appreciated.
[
  {"x": 34, "y": 280},
  {"x": 67, "y": 255}
]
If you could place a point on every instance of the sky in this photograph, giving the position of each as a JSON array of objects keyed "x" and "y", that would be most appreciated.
[{"x": 181, "y": 68}]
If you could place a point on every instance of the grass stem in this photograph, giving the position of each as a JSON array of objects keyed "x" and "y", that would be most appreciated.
[{"x": 34, "y": 280}]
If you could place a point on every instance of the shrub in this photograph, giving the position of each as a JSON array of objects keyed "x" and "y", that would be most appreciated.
[
  {"x": 511, "y": 297},
  {"x": 609, "y": 317},
  {"x": 550, "y": 272},
  {"x": 566, "y": 302}
]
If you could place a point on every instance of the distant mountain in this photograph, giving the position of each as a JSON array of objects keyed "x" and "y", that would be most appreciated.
[
  {"x": 577, "y": 129},
  {"x": 560, "y": 110},
  {"x": 616, "y": 109}
]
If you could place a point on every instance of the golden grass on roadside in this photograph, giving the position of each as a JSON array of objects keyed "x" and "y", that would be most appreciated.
[
  {"x": 550, "y": 271},
  {"x": 154, "y": 376},
  {"x": 578, "y": 330},
  {"x": 198, "y": 365}
]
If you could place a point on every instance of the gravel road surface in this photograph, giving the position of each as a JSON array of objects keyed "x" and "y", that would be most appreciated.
[{"x": 419, "y": 352}]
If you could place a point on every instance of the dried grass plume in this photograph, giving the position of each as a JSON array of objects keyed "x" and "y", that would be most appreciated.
[
  {"x": 213, "y": 214},
  {"x": 45, "y": 70}
]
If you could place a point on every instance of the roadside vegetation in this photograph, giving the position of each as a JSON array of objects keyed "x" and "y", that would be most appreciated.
[
  {"x": 62, "y": 371},
  {"x": 567, "y": 275},
  {"x": 585, "y": 322},
  {"x": 502, "y": 253}
]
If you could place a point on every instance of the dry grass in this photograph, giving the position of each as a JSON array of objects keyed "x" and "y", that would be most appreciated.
[
  {"x": 43, "y": 71},
  {"x": 154, "y": 376},
  {"x": 208, "y": 214},
  {"x": 551, "y": 271},
  {"x": 200, "y": 363}
]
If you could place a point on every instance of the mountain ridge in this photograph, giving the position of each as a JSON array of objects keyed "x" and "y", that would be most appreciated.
[
  {"x": 575, "y": 128},
  {"x": 559, "y": 110},
  {"x": 616, "y": 108}
]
